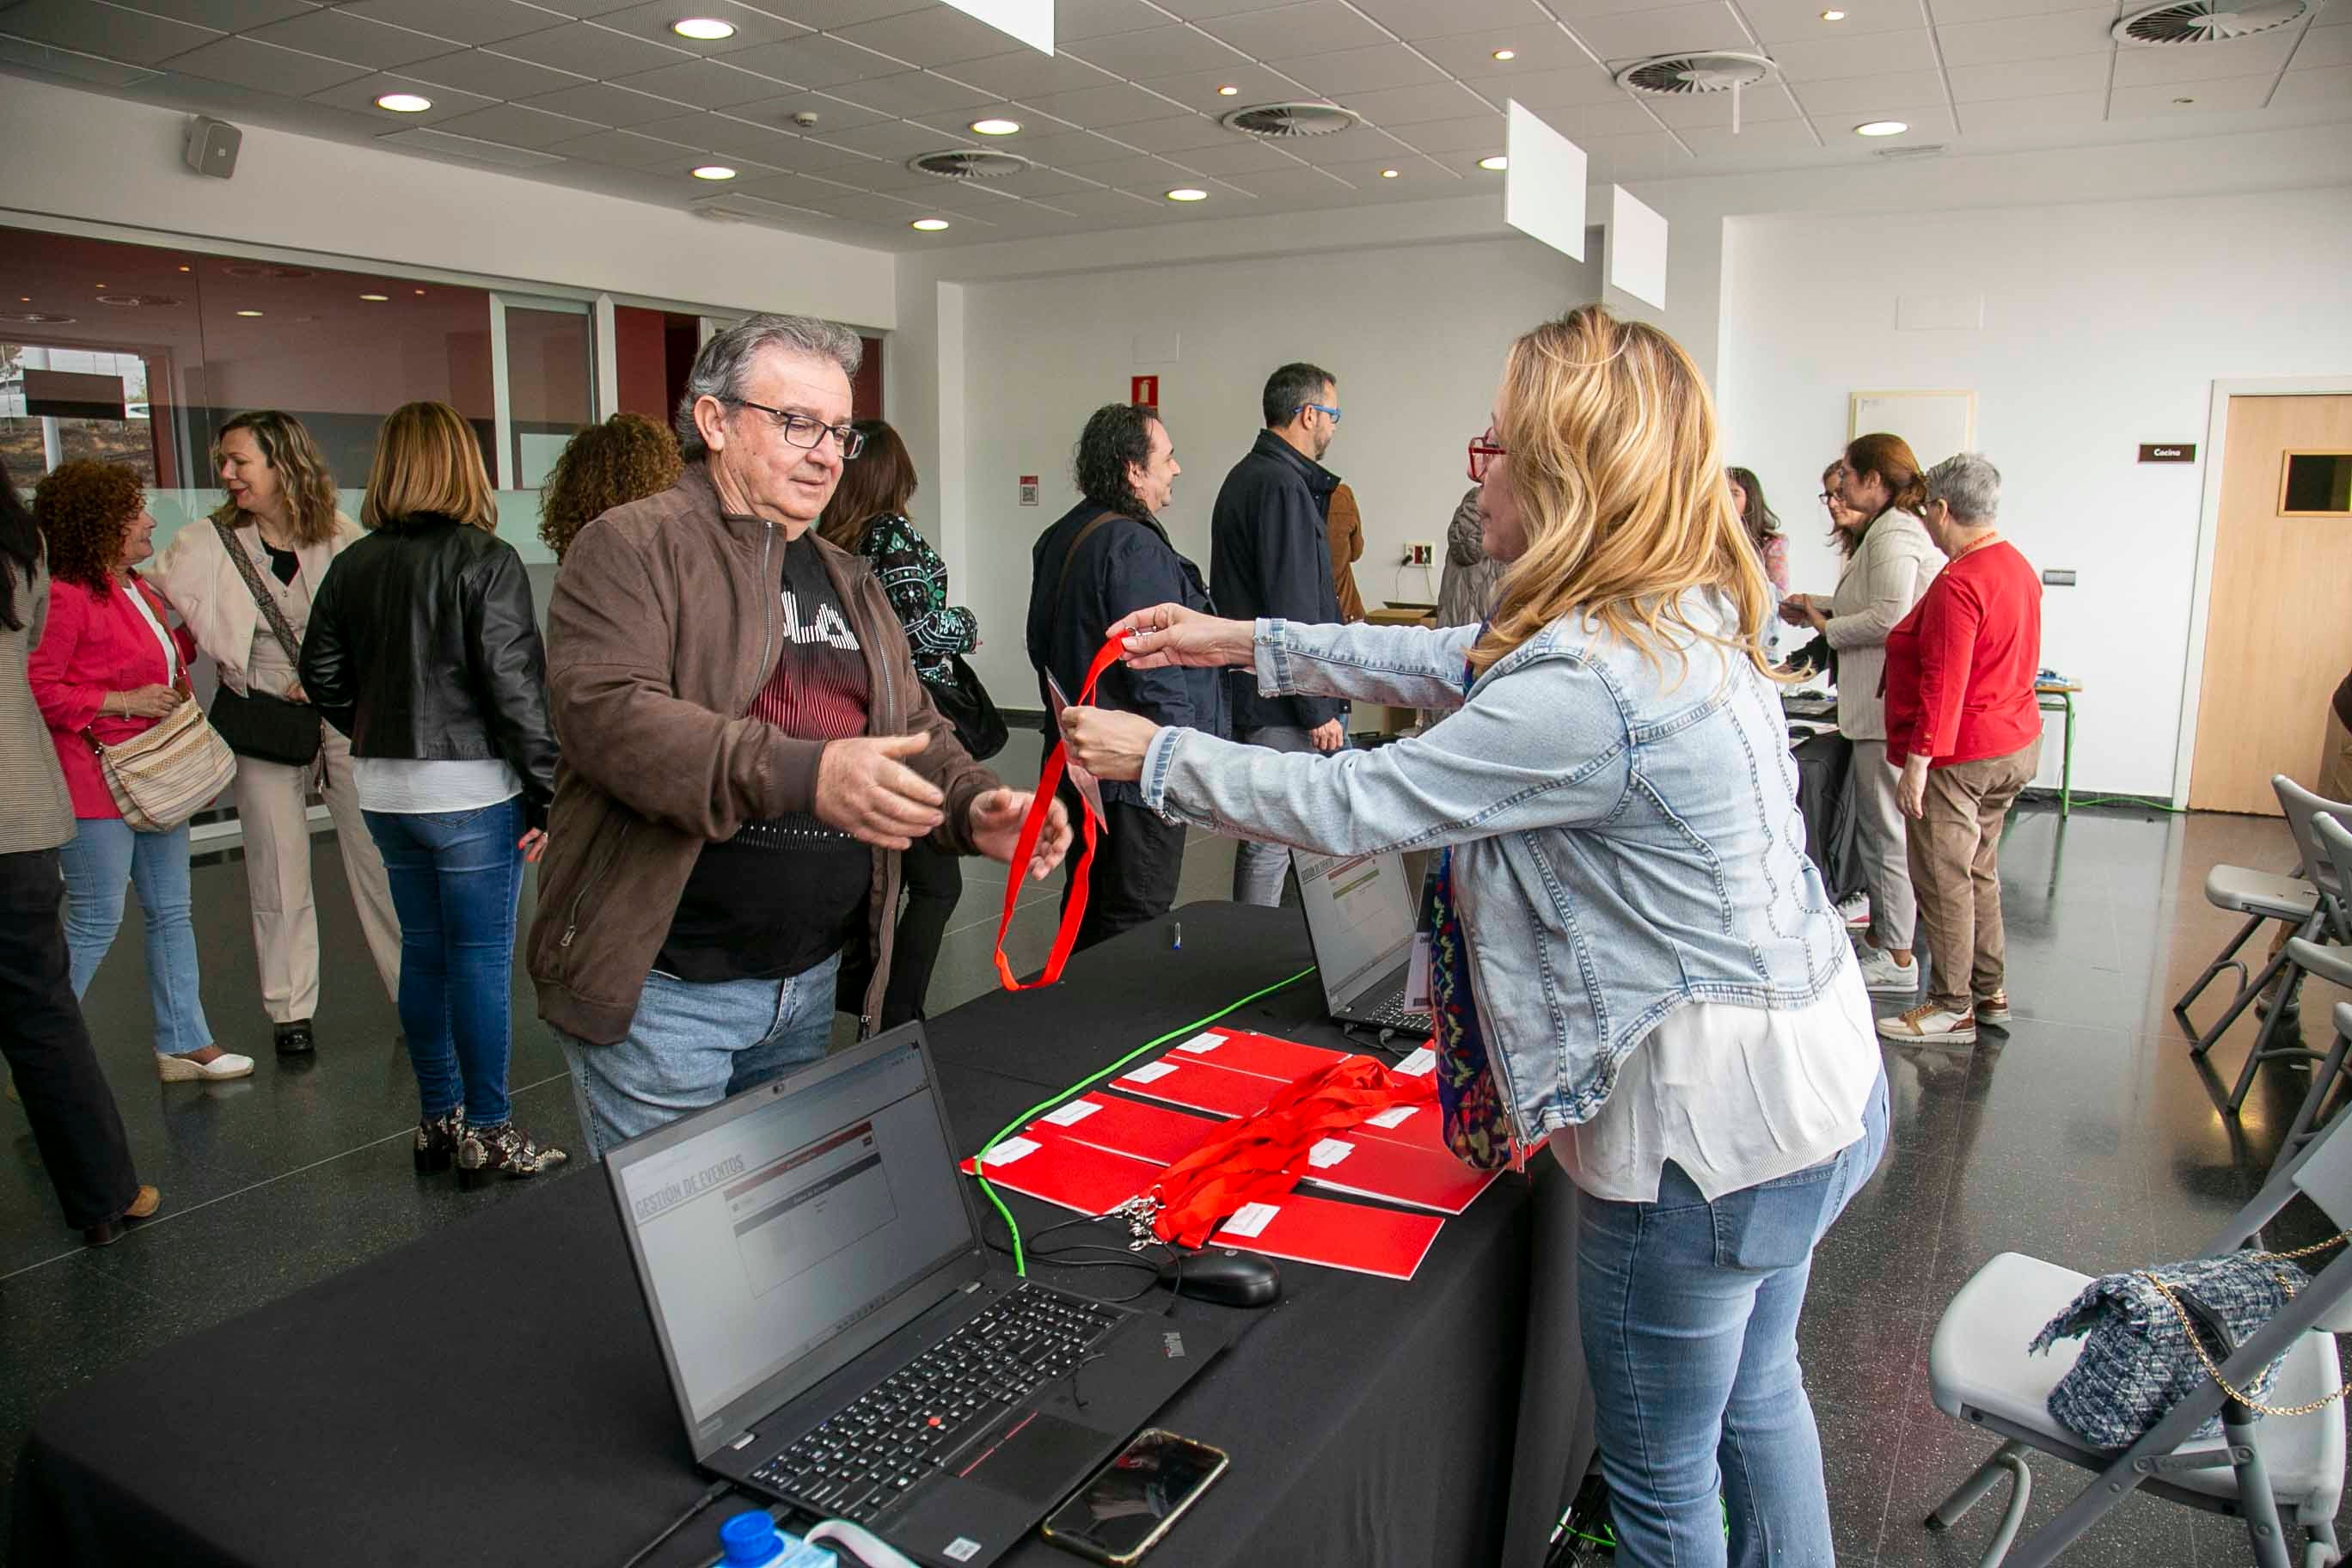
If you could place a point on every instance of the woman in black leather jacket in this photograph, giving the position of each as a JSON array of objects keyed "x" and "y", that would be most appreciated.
[{"x": 424, "y": 649}]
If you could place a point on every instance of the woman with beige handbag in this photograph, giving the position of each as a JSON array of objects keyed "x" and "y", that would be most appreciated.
[{"x": 138, "y": 758}]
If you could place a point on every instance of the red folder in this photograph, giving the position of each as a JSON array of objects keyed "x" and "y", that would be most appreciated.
[
  {"x": 1131, "y": 1126},
  {"x": 1046, "y": 1165},
  {"x": 1353, "y": 1237},
  {"x": 1237, "y": 1050},
  {"x": 1414, "y": 1126},
  {"x": 1372, "y": 1167},
  {"x": 1182, "y": 1080}
]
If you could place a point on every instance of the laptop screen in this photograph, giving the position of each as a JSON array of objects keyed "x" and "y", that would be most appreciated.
[
  {"x": 1359, "y": 917},
  {"x": 771, "y": 1223}
]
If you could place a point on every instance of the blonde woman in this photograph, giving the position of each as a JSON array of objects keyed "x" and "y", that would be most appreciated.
[
  {"x": 272, "y": 540},
  {"x": 1635, "y": 962},
  {"x": 425, "y": 651}
]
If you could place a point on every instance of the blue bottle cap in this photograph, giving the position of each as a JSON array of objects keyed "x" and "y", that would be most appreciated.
[{"x": 748, "y": 1538}]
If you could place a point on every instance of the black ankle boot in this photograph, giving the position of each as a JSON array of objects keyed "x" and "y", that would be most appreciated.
[
  {"x": 504, "y": 1150},
  {"x": 293, "y": 1039},
  {"x": 438, "y": 1140}
]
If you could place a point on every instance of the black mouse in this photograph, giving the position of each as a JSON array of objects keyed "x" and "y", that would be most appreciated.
[{"x": 1221, "y": 1275}]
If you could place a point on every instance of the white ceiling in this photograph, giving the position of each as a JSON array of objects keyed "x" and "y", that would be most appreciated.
[{"x": 600, "y": 95}]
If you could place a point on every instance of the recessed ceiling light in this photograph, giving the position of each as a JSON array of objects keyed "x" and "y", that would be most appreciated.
[
  {"x": 403, "y": 102},
  {"x": 186, "y": 270},
  {"x": 1496, "y": 163},
  {"x": 704, "y": 29},
  {"x": 24, "y": 299},
  {"x": 1388, "y": 174},
  {"x": 420, "y": 290},
  {"x": 1506, "y": 54},
  {"x": 995, "y": 126},
  {"x": 714, "y": 172},
  {"x": 1229, "y": 92},
  {"x": 1881, "y": 128},
  {"x": 929, "y": 225},
  {"x": 248, "y": 313},
  {"x": 377, "y": 299},
  {"x": 1187, "y": 193},
  {"x": 1832, "y": 15}
]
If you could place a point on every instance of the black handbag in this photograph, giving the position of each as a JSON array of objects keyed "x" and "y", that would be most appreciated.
[
  {"x": 965, "y": 703},
  {"x": 255, "y": 724}
]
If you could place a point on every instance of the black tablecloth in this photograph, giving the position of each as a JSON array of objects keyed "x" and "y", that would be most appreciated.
[{"x": 493, "y": 1393}]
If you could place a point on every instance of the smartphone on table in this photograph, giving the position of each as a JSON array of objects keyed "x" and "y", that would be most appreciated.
[{"x": 1135, "y": 1500}]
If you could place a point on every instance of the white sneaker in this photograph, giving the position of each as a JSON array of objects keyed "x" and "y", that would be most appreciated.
[
  {"x": 182, "y": 1070},
  {"x": 1881, "y": 976},
  {"x": 1855, "y": 911},
  {"x": 1929, "y": 1025}
]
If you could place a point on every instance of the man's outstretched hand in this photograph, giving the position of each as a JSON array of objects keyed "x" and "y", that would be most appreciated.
[{"x": 995, "y": 824}]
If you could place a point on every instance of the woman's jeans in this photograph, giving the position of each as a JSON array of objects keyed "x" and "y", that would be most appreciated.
[
  {"x": 1689, "y": 1313},
  {"x": 456, "y": 877},
  {"x": 101, "y": 856}
]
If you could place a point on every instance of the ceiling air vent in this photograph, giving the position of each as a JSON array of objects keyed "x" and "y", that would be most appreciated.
[
  {"x": 2207, "y": 21},
  {"x": 970, "y": 164},
  {"x": 1911, "y": 155},
  {"x": 263, "y": 269},
  {"x": 36, "y": 319},
  {"x": 133, "y": 301},
  {"x": 1280, "y": 120},
  {"x": 1687, "y": 75}
]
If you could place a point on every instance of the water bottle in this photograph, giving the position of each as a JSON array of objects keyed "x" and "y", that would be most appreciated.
[{"x": 750, "y": 1539}]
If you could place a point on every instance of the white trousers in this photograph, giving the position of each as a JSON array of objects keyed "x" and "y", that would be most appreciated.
[{"x": 1882, "y": 837}]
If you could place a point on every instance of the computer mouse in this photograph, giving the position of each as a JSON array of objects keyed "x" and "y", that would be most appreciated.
[{"x": 1225, "y": 1275}]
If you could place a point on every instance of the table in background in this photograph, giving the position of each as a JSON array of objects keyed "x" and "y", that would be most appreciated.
[
  {"x": 494, "y": 1393},
  {"x": 2064, "y": 692}
]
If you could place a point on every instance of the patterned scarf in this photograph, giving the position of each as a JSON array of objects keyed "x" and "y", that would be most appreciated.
[{"x": 1476, "y": 1126}]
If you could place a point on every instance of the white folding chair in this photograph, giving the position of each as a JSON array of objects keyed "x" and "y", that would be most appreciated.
[
  {"x": 2306, "y": 812},
  {"x": 2267, "y": 1469}
]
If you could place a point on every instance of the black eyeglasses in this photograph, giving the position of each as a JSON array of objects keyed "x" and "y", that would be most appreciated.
[{"x": 802, "y": 431}]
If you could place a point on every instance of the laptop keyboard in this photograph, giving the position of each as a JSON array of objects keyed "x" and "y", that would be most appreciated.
[
  {"x": 857, "y": 1463},
  {"x": 1391, "y": 1014}
]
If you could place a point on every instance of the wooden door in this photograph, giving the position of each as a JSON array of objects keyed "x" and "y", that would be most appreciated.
[{"x": 2278, "y": 625}]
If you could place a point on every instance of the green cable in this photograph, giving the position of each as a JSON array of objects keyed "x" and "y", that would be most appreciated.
[
  {"x": 2144, "y": 805},
  {"x": 980, "y": 1161}
]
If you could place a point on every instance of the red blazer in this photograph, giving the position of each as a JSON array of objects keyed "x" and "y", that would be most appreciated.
[{"x": 95, "y": 642}]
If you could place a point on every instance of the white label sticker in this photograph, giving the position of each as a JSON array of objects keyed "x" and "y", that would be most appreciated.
[
  {"x": 1152, "y": 1073},
  {"x": 1395, "y": 1116},
  {"x": 963, "y": 1548},
  {"x": 1012, "y": 1149},
  {"x": 1329, "y": 1151},
  {"x": 1070, "y": 1115},
  {"x": 1419, "y": 1064},
  {"x": 1202, "y": 1045},
  {"x": 1250, "y": 1218}
]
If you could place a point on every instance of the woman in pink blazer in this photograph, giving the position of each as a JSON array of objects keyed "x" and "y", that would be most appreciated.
[{"x": 107, "y": 669}]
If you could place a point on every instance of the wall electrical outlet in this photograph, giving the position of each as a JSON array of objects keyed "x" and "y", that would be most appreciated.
[{"x": 1420, "y": 553}]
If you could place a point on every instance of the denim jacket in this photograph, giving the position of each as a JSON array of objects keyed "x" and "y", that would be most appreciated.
[{"x": 1627, "y": 833}]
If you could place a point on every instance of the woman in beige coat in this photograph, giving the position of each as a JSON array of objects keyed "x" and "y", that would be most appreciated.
[
  {"x": 281, "y": 517},
  {"x": 1884, "y": 576}
]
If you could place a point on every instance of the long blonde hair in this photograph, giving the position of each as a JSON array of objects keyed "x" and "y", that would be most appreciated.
[
  {"x": 1617, "y": 466},
  {"x": 302, "y": 477},
  {"x": 426, "y": 460}
]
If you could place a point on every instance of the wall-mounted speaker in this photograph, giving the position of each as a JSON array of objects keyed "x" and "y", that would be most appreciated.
[{"x": 211, "y": 146}]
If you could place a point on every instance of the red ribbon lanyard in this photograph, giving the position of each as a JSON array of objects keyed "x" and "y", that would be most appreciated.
[{"x": 1049, "y": 781}]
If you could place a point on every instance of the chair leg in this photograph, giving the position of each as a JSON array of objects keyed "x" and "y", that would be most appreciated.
[
  {"x": 2009, "y": 1458},
  {"x": 2319, "y": 1547},
  {"x": 2239, "y": 1003},
  {"x": 2264, "y": 1050},
  {"x": 2263, "y": 1532},
  {"x": 2323, "y": 1080},
  {"x": 2225, "y": 959}
]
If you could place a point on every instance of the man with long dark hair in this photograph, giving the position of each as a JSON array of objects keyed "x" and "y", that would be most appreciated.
[{"x": 1105, "y": 558}]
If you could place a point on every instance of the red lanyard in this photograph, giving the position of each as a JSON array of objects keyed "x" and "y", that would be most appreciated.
[
  {"x": 1073, "y": 912},
  {"x": 1264, "y": 1156}
]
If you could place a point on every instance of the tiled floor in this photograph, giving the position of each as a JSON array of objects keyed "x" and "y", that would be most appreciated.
[{"x": 2085, "y": 1135}]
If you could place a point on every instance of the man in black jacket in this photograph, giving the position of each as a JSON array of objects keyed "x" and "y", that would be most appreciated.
[
  {"x": 1105, "y": 558},
  {"x": 1270, "y": 554}
]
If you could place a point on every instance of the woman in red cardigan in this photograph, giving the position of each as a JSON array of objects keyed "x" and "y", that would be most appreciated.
[
  {"x": 108, "y": 669},
  {"x": 1963, "y": 724}
]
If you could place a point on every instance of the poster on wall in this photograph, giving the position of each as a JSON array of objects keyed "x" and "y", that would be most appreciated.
[{"x": 1936, "y": 422}]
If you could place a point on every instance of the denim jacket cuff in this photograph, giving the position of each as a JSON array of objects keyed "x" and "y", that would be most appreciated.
[
  {"x": 1157, "y": 758},
  {"x": 1271, "y": 642}
]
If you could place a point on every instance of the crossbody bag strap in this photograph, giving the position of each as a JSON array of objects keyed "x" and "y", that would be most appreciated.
[
  {"x": 262, "y": 596},
  {"x": 1070, "y": 556}
]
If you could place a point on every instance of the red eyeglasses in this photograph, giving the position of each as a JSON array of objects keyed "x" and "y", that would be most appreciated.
[{"x": 1483, "y": 453}]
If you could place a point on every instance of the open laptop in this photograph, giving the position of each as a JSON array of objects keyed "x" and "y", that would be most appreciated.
[
  {"x": 1359, "y": 917},
  {"x": 837, "y": 1336}
]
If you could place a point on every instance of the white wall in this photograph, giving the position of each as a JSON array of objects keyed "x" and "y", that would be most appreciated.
[
  {"x": 84, "y": 156},
  {"x": 2105, "y": 326},
  {"x": 1415, "y": 335}
]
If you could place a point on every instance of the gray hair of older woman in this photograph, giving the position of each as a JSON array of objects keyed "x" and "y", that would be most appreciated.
[
  {"x": 724, "y": 366},
  {"x": 1967, "y": 484}
]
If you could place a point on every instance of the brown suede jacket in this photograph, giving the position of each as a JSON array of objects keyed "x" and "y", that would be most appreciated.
[{"x": 662, "y": 628}]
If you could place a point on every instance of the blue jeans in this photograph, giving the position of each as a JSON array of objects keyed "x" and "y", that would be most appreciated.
[
  {"x": 455, "y": 876},
  {"x": 693, "y": 1044},
  {"x": 1689, "y": 1312},
  {"x": 101, "y": 856}
]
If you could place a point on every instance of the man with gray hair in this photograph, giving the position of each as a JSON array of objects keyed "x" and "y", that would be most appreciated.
[{"x": 746, "y": 748}]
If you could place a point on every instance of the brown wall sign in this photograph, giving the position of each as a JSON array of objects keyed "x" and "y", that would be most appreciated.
[{"x": 2167, "y": 452}]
